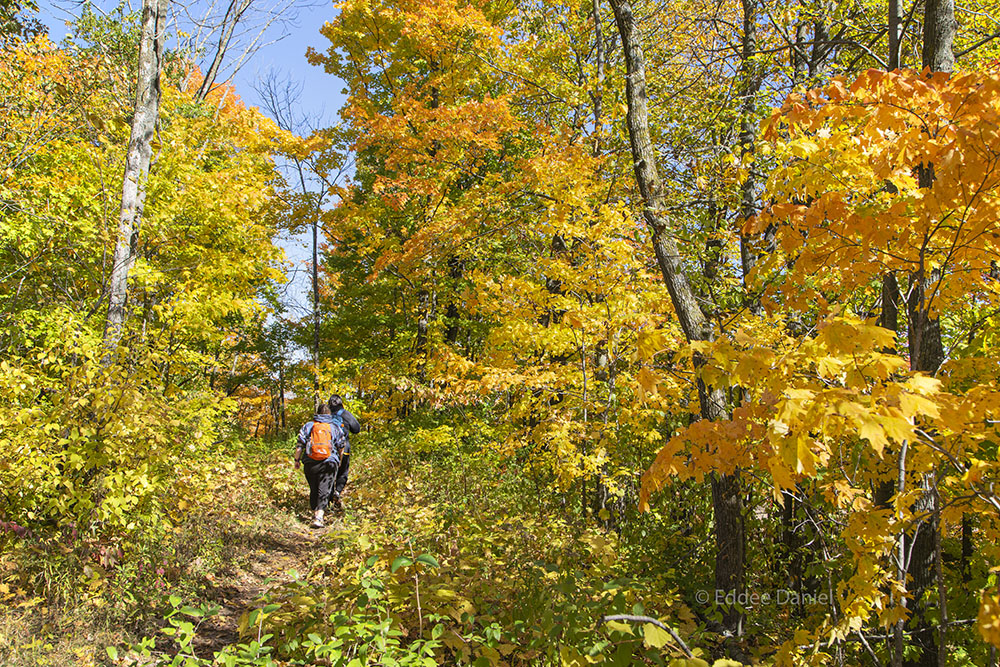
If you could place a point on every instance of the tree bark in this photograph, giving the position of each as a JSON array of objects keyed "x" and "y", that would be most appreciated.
[
  {"x": 423, "y": 326},
  {"x": 926, "y": 355},
  {"x": 281, "y": 390},
  {"x": 942, "y": 589},
  {"x": 920, "y": 572},
  {"x": 927, "y": 352},
  {"x": 456, "y": 268},
  {"x": 822, "y": 46},
  {"x": 800, "y": 58},
  {"x": 749, "y": 87},
  {"x": 898, "y": 626},
  {"x": 965, "y": 563},
  {"x": 895, "y": 33},
  {"x": 889, "y": 316},
  {"x": 726, "y": 496},
  {"x": 315, "y": 295},
  {"x": 939, "y": 34},
  {"x": 137, "y": 159}
]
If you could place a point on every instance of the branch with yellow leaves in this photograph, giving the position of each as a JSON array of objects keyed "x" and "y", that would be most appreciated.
[{"x": 653, "y": 621}]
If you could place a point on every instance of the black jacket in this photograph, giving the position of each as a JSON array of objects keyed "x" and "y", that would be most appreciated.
[{"x": 350, "y": 421}]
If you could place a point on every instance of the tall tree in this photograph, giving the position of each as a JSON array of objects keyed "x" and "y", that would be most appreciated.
[
  {"x": 726, "y": 496},
  {"x": 140, "y": 148},
  {"x": 926, "y": 355}
]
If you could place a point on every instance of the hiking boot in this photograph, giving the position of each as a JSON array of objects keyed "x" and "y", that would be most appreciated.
[
  {"x": 318, "y": 519},
  {"x": 337, "y": 505}
]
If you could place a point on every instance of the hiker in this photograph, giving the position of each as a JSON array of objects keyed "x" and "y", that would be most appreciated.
[
  {"x": 318, "y": 450},
  {"x": 337, "y": 409},
  {"x": 323, "y": 450}
]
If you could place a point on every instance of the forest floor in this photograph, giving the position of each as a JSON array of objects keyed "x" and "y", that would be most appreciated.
[{"x": 255, "y": 540}]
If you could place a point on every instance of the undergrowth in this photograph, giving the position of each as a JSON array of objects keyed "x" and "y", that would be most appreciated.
[
  {"x": 64, "y": 597},
  {"x": 447, "y": 555}
]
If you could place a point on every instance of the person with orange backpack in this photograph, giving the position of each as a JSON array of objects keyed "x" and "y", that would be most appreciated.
[{"x": 321, "y": 444}]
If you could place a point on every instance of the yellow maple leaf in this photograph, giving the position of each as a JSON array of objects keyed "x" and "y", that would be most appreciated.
[{"x": 871, "y": 431}]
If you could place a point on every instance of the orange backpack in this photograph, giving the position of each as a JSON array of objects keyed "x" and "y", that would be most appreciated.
[{"x": 321, "y": 442}]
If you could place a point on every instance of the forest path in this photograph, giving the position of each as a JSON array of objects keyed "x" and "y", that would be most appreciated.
[{"x": 289, "y": 545}]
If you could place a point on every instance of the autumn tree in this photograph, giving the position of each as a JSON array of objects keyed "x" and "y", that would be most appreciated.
[{"x": 93, "y": 445}]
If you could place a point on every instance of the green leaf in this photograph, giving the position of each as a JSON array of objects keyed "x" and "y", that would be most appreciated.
[
  {"x": 112, "y": 652},
  {"x": 401, "y": 561},
  {"x": 429, "y": 559}
]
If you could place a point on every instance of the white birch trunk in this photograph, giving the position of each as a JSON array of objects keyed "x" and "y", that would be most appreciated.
[{"x": 147, "y": 106}]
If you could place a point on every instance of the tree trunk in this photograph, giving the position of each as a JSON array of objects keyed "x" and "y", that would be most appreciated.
[
  {"x": 800, "y": 54},
  {"x": 942, "y": 589},
  {"x": 901, "y": 546},
  {"x": 895, "y": 33},
  {"x": 140, "y": 151},
  {"x": 927, "y": 353},
  {"x": 553, "y": 286},
  {"x": 315, "y": 290},
  {"x": 920, "y": 572},
  {"x": 456, "y": 268},
  {"x": 939, "y": 33},
  {"x": 281, "y": 390},
  {"x": 749, "y": 87},
  {"x": 926, "y": 349},
  {"x": 965, "y": 564},
  {"x": 822, "y": 46},
  {"x": 726, "y": 496},
  {"x": 423, "y": 325},
  {"x": 889, "y": 316}
]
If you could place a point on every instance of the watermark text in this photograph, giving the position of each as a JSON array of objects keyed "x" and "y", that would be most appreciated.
[{"x": 779, "y": 598}]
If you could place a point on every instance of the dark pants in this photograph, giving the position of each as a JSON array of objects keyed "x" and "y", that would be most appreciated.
[
  {"x": 345, "y": 465},
  {"x": 321, "y": 476}
]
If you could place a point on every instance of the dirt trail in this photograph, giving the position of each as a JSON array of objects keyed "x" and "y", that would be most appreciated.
[{"x": 290, "y": 546}]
